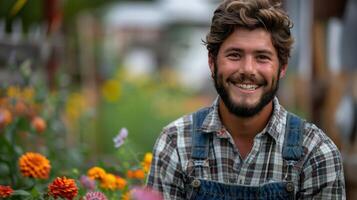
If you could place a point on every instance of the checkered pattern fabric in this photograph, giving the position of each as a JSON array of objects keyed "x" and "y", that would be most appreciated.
[{"x": 318, "y": 174}]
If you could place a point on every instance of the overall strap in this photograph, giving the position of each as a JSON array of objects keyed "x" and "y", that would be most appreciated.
[
  {"x": 292, "y": 148},
  {"x": 200, "y": 141}
]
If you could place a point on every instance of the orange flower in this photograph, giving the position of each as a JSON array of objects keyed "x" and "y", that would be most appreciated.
[
  {"x": 96, "y": 173},
  {"x": 20, "y": 108},
  {"x": 63, "y": 187},
  {"x": 108, "y": 182},
  {"x": 136, "y": 174},
  {"x": 34, "y": 165},
  {"x": 130, "y": 174},
  {"x": 5, "y": 191},
  {"x": 5, "y": 117},
  {"x": 147, "y": 162},
  {"x": 125, "y": 196},
  {"x": 139, "y": 174},
  {"x": 4, "y": 101},
  {"x": 38, "y": 124},
  {"x": 120, "y": 182}
]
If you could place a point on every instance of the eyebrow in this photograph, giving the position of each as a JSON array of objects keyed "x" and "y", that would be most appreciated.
[
  {"x": 260, "y": 51},
  {"x": 264, "y": 52}
]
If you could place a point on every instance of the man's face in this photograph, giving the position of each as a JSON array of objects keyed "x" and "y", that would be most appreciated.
[{"x": 246, "y": 71}]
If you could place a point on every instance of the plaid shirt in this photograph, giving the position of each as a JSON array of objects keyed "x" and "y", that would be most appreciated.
[{"x": 318, "y": 174}]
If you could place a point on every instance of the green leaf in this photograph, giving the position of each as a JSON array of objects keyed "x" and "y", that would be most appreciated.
[{"x": 20, "y": 193}]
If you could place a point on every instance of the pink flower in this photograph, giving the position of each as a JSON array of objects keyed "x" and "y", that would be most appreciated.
[
  {"x": 87, "y": 182},
  {"x": 119, "y": 139},
  {"x": 140, "y": 193},
  {"x": 95, "y": 196}
]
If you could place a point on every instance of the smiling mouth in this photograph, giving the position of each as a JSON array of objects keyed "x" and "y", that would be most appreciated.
[
  {"x": 245, "y": 83},
  {"x": 250, "y": 87}
]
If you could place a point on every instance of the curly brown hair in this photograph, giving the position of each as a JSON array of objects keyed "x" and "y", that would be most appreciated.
[{"x": 251, "y": 14}]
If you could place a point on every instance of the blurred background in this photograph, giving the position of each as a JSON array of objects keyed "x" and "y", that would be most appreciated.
[{"x": 90, "y": 68}]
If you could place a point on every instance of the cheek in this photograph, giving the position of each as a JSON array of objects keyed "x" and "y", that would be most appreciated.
[
  {"x": 269, "y": 72},
  {"x": 226, "y": 68}
]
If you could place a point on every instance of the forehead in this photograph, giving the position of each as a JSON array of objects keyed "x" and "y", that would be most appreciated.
[{"x": 249, "y": 40}]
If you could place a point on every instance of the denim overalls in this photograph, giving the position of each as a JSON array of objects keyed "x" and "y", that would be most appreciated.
[{"x": 210, "y": 190}]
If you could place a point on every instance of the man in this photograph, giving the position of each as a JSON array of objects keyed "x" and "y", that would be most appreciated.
[{"x": 246, "y": 145}]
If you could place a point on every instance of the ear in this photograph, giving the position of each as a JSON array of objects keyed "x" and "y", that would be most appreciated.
[
  {"x": 283, "y": 70},
  {"x": 211, "y": 61}
]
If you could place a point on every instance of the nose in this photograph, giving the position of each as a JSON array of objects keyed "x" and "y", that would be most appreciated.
[{"x": 247, "y": 66}]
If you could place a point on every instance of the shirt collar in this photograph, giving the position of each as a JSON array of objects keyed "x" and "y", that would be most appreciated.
[
  {"x": 274, "y": 127},
  {"x": 276, "y": 124}
]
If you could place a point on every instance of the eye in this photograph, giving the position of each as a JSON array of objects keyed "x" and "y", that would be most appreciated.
[
  {"x": 263, "y": 58},
  {"x": 234, "y": 55}
]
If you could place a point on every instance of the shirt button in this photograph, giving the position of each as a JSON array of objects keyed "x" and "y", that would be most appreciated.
[
  {"x": 289, "y": 186},
  {"x": 196, "y": 183}
]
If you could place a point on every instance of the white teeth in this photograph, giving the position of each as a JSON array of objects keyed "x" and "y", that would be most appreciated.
[{"x": 247, "y": 86}]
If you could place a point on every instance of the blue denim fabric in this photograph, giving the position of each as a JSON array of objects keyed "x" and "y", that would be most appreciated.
[
  {"x": 200, "y": 189},
  {"x": 210, "y": 190}
]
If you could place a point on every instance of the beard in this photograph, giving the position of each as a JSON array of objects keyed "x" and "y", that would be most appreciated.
[{"x": 244, "y": 110}]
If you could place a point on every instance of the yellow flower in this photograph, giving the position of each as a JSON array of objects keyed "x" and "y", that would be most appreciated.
[
  {"x": 147, "y": 162},
  {"x": 28, "y": 94},
  {"x": 96, "y": 173},
  {"x": 34, "y": 165},
  {"x": 108, "y": 181},
  {"x": 111, "y": 90},
  {"x": 75, "y": 105},
  {"x": 13, "y": 92}
]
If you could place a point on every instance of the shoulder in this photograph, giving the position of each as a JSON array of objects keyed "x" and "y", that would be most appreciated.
[
  {"x": 315, "y": 139},
  {"x": 322, "y": 174},
  {"x": 178, "y": 127},
  {"x": 319, "y": 149},
  {"x": 174, "y": 133}
]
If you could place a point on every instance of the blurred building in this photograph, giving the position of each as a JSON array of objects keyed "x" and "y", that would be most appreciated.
[{"x": 163, "y": 34}]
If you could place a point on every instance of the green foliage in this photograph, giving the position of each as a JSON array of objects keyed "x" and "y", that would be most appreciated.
[
  {"x": 32, "y": 12},
  {"x": 144, "y": 107}
]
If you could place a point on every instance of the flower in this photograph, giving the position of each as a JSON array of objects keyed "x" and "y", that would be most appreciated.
[
  {"x": 119, "y": 139},
  {"x": 5, "y": 191},
  {"x": 125, "y": 196},
  {"x": 63, "y": 187},
  {"x": 28, "y": 93},
  {"x": 38, "y": 124},
  {"x": 147, "y": 162},
  {"x": 75, "y": 106},
  {"x": 108, "y": 182},
  {"x": 94, "y": 196},
  {"x": 87, "y": 182},
  {"x": 96, "y": 173},
  {"x": 34, "y": 165},
  {"x": 5, "y": 117},
  {"x": 120, "y": 182},
  {"x": 111, "y": 90},
  {"x": 13, "y": 92},
  {"x": 136, "y": 174},
  {"x": 139, "y": 193},
  {"x": 20, "y": 108}
]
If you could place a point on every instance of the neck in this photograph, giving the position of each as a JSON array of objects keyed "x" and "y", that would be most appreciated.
[{"x": 245, "y": 127}]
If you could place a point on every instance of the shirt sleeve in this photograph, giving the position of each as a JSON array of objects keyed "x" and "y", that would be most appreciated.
[
  {"x": 322, "y": 175},
  {"x": 166, "y": 174}
]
